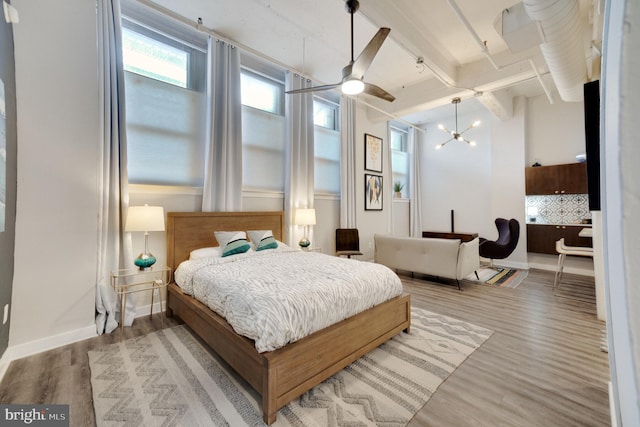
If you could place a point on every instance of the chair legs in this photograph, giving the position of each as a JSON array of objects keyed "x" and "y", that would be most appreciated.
[{"x": 558, "y": 277}]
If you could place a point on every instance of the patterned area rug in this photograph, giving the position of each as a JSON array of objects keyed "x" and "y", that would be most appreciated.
[
  {"x": 499, "y": 276},
  {"x": 168, "y": 378}
]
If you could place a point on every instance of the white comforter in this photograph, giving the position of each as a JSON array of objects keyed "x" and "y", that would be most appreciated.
[{"x": 279, "y": 296}]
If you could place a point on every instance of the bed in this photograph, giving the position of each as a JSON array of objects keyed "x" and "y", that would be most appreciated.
[{"x": 281, "y": 375}]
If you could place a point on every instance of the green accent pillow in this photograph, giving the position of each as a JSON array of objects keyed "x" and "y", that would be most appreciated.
[
  {"x": 232, "y": 242},
  {"x": 267, "y": 243},
  {"x": 263, "y": 239},
  {"x": 239, "y": 246}
]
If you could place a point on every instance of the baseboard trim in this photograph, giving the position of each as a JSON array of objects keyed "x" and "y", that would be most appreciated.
[
  {"x": 508, "y": 264},
  {"x": 30, "y": 348},
  {"x": 567, "y": 269},
  {"x": 145, "y": 310},
  {"x": 49, "y": 343}
]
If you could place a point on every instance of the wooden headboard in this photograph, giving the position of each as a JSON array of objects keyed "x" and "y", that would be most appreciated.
[{"x": 187, "y": 231}]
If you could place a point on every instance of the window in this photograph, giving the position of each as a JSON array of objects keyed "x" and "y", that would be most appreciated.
[
  {"x": 263, "y": 131},
  {"x": 165, "y": 102},
  {"x": 400, "y": 158},
  {"x": 326, "y": 145},
  {"x": 150, "y": 57},
  {"x": 262, "y": 93}
]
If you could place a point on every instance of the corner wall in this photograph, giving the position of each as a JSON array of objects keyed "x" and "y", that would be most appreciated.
[
  {"x": 479, "y": 183},
  {"x": 57, "y": 201}
]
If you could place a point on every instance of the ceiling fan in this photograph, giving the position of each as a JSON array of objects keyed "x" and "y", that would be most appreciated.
[{"x": 352, "y": 82}]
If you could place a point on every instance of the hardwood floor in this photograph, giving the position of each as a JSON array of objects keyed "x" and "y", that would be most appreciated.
[{"x": 541, "y": 367}]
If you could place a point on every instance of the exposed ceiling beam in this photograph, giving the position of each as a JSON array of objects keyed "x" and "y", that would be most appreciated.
[{"x": 412, "y": 37}]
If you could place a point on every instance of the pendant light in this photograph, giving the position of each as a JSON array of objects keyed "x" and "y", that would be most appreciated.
[{"x": 455, "y": 134}]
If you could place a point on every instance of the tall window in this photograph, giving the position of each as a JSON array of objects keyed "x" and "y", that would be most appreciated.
[
  {"x": 400, "y": 159},
  {"x": 263, "y": 131},
  {"x": 165, "y": 104},
  {"x": 326, "y": 113}
]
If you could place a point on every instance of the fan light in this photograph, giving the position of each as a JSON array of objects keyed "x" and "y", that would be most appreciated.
[
  {"x": 454, "y": 133},
  {"x": 352, "y": 87}
]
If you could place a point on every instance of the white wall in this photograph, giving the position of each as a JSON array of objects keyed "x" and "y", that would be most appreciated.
[
  {"x": 554, "y": 132},
  {"x": 372, "y": 222},
  {"x": 457, "y": 177},
  {"x": 57, "y": 203},
  {"x": 507, "y": 176},
  {"x": 401, "y": 217}
]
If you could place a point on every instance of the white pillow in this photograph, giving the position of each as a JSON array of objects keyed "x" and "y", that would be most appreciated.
[
  {"x": 232, "y": 242},
  {"x": 262, "y": 239},
  {"x": 205, "y": 253}
]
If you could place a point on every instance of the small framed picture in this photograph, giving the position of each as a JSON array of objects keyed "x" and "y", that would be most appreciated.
[
  {"x": 372, "y": 153},
  {"x": 372, "y": 192}
]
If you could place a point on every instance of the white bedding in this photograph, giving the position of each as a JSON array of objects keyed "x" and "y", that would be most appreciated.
[{"x": 279, "y": 296}]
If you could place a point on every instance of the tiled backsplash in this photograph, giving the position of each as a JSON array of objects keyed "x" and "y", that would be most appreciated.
[{"x": 558, "y": 208}]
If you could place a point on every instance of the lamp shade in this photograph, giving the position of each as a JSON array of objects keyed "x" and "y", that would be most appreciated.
[
  {"x": 145, "y": 218},
  {"x": 304, "y": 217}
]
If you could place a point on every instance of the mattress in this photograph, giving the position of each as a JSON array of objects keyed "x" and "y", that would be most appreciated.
[{"x": 279, "y": 296}]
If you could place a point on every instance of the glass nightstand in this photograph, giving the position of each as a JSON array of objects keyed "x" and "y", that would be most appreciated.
[
  {"x": 310, "y": 249},
  {"x": 132, "y": 280}
]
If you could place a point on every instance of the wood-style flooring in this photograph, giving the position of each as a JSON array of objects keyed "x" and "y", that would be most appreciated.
[{"x": 541, "y": 367}]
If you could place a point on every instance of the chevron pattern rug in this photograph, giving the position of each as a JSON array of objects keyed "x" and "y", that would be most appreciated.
[{"x": 168, "y": 378}]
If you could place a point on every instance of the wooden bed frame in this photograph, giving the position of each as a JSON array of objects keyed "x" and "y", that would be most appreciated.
[{"x": 282, "y": 375}]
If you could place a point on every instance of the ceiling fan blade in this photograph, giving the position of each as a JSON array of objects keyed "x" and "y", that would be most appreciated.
[
  {"x": 363, "y": 62},
  {"x": 314, "y": 89},
  {"x": 377, "y": 91}
]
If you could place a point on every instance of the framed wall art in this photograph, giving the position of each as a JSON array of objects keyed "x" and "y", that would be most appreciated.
[
  {"x": 372, "y": 192},
  {"x": 372, "y": 153}
]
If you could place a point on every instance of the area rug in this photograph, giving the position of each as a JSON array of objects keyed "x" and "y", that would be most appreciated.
[
  {"x": 168, "y": 378},
  {"x": 499, "y": 276}
]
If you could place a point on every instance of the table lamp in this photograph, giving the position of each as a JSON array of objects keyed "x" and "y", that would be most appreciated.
[
  {"x": 145, "y": 218},
  {"x": 304, "y": 217}
]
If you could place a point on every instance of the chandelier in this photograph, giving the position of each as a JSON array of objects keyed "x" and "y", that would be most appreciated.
[{"x": 455, "y": 134}]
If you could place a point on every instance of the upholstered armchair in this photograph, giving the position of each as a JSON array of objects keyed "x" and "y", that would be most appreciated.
[{"x": 505, "y": 244}]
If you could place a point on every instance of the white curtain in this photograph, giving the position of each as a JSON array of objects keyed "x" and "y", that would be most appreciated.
[
  {"x": 387, "y": 187},
  {"x": 348, "y": 163},
  {"x": 114, "y": 246},
  {"x": 223, "y": 159},
  {"x": 415, "y": 213},
  {"x": 299, "y": 181}
]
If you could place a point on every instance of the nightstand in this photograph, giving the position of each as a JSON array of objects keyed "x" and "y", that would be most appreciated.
[
  {"x": 129, "y": 281},
  {"x": 310, "y": 249}
]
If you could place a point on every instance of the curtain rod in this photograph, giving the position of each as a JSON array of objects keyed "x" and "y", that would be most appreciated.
[
  {"x": 396, "y": 118},
  {"x": 198, "y": 26}
]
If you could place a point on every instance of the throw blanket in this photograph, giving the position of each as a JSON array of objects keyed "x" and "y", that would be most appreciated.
[{"x": 278, "y": 296}]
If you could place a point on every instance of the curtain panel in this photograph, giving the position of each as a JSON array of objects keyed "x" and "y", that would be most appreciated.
[
  {"x": 348, "y": 163},
  {"x": 114, "y": 245},
  {"x": 415, "y": 212},
  {"x": 222, "y": 189},
  {"x": 299, "y": 181}
]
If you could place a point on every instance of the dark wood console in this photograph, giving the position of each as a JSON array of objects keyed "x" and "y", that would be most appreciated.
[{"x": 464, "y": 237}]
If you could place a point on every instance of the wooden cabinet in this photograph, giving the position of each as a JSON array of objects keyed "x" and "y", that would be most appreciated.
[
  {"x": 570, "y": 178},
  {"x": 542, "y": 238}
]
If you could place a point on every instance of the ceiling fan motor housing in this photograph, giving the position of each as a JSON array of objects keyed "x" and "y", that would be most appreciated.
[{"x": 352, "y": 6}]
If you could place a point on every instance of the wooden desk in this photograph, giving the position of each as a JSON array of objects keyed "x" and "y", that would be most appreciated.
[{"x": 464, "y": 237}]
